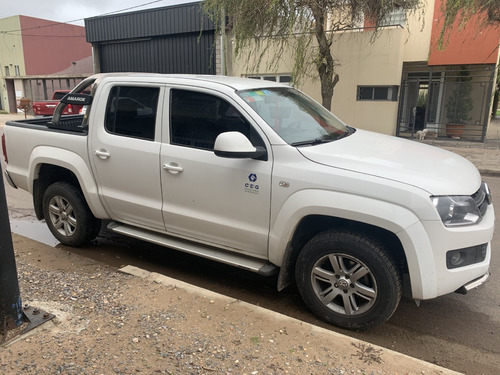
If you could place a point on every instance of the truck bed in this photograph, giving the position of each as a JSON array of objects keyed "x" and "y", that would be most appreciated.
[{"x": 68, "y": 123}]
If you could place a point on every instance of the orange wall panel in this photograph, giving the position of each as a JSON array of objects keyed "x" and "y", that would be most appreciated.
[{"x": 472, "y": 44}]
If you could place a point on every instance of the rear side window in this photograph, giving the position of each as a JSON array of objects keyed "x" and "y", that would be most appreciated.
[{"x": 131, "y": 111}]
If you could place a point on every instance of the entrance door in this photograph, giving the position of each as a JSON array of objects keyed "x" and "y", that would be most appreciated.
[
  {"x": 412, "y": 106},
  {"x": 11, "y": 94},
  {"x": 456, "y": 95},
  {"x": 219, "y": 201}
]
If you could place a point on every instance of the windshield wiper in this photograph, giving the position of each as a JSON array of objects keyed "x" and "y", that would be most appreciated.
[
  {"x": 347, "y": 133},
  {"x": 317, "y": 141},
  {"x": 311, "y": 142}
]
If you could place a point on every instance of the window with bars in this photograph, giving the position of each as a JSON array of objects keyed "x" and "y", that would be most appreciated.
[{"x": 396, "y": 17}]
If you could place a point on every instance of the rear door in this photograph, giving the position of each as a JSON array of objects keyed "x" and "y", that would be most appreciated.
[{"x": 124, "y": 150}]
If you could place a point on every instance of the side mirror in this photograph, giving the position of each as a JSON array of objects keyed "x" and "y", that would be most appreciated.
[{"x": 235, "y": 145}]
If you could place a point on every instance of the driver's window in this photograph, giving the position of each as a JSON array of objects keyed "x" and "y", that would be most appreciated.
[{"x": 196, "y": 119}]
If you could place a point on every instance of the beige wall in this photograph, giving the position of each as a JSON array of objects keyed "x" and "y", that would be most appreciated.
[
  {"x": 368, "y": 63},
  {"x": 419, "y": 30},
  {"x": 11, "y": 54},
  {"x": 362, "y": 62}
]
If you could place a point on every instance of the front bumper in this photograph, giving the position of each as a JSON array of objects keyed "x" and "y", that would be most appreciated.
[{"x": 430, "y": 241}]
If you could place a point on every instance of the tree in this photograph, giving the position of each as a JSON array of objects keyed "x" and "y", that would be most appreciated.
[{"x": 293, "y": 25}]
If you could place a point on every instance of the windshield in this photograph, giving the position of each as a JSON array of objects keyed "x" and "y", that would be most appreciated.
[{"x": 296, "y": 118}]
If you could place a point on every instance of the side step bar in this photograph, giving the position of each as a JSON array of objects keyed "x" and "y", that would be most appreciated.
[{"x": 259, "y": 266}]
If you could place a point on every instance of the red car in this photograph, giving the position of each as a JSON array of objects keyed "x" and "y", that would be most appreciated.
[{"x": 47, "y": 107}]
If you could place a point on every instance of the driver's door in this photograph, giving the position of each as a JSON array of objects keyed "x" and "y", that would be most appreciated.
[{"x": 219, "y": 201}]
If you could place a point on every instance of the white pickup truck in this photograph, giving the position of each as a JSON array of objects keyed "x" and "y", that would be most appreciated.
[{"x": 257, "y": 175}]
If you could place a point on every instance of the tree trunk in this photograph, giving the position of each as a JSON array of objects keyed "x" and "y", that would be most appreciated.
[
  {"x": 325, "y": 62},
  {"x": 327, "y": 87}
]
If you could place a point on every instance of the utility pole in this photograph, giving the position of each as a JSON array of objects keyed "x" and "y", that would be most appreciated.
[{"x": 11, "y": 311}]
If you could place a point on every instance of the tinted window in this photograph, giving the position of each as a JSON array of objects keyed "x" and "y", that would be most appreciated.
[
  {"x": 197, "y": 119},
  {"x": 378, "y": 93},
  {"x": 131, "y": 111}
]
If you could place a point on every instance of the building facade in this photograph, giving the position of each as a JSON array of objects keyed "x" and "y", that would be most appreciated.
[
  {"x": 174, "y": 39},
  {"x": 398, "y": 81},
  {"x": 39, "y": 56}
]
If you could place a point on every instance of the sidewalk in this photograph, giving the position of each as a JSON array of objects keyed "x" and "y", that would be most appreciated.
[
  {"x": 485, "y": 156},
  {"x": 110, "y": 322}
]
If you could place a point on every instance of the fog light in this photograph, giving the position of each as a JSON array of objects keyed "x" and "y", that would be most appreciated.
[
  {"x": 466, "y": 256},
  {"x": 457, "y": 258}
]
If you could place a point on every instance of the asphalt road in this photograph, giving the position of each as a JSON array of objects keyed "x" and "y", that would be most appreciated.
[{"x": 454, "y": 331}]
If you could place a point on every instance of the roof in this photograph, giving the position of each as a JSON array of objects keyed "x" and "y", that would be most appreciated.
[
  {"x": 177, "y": 19},
  {"x": 235, "y": 83}
]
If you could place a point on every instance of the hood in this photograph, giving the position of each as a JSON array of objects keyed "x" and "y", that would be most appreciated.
[{"x": 435, "y": 170}]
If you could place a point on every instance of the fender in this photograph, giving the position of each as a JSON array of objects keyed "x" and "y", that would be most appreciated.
[
  {"x": 386, "y": 215},
  {"x": 72, "y": 162}
]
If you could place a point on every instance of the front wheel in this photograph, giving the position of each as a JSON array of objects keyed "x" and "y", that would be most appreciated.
[
  {"x": 68, "y": 215},
  {"x": 348, "y": 279}
]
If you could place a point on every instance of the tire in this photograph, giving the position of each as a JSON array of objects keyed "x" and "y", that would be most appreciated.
[
  {"x": 348, "y": 279},
  {"x": 68, "y": 216}
]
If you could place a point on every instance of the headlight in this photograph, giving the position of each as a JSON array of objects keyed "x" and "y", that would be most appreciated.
[{"x": 457, "y": 210}]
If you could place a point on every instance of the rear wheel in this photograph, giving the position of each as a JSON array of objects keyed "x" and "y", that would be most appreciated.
[
  {"x": 68, "y": 215},
  {"x": 348, "y": 279}
]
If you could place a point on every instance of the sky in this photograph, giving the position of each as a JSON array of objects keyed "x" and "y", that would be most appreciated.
[{"x": 77, "y": 10}]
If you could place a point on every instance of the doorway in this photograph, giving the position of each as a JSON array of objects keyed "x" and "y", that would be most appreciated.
[
  {"x": 436, "y": 98},
  {"x": 11, "y": 95}
]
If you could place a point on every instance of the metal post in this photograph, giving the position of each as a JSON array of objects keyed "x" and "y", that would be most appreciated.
[{"x": 11, "y": 312}]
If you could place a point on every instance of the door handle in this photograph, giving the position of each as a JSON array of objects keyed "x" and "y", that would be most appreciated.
[
  {"x": 173, "y": 168},
  {"x": 102, "y": 154}
]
